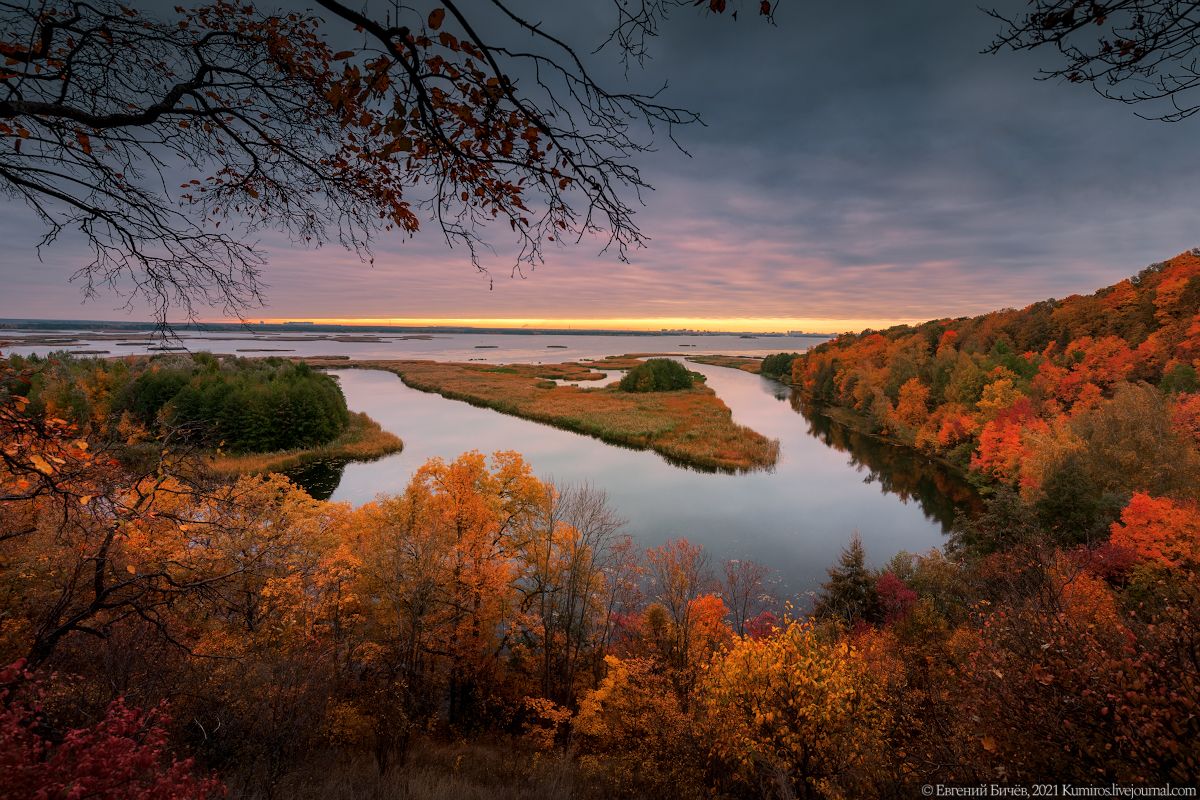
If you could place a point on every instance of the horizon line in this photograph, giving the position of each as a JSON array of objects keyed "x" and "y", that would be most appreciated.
[
  {"x": 756, "y": 325},
  {"x": 779, "y": 325}
]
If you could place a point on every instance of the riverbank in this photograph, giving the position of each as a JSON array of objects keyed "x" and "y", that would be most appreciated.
[
  {"x": 849, "y": 419},
  {"x": 859, "y": 423},
  {"x": 364, "y": 440},
  {"x": 691, "y": 427},
  {"x": 751, "y": 364}
]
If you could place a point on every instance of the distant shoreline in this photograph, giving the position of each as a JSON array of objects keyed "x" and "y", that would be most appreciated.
[{"x": 117, "y": 326}]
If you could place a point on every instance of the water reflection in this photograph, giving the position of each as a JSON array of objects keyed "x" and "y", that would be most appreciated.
[
  {"x": 942, "y": 494},
  {"x": 319, "y": 478}
]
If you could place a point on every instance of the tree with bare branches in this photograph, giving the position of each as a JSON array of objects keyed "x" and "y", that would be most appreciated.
[
  {"x": 1140, "y": 52},
  {"x": 744, "y": 590},
  {"x": 168, "y": 142}
]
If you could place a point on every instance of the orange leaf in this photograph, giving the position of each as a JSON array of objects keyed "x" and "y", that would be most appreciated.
[{"x": 436, "y": 17}]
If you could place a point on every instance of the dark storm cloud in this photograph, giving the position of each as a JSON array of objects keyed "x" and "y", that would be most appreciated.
[{"x": 861, "y": 161}]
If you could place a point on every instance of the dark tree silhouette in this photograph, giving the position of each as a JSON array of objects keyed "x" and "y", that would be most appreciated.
[
  {"x": 262, "y": 124},
  {"x": 1134, "y": 51}
]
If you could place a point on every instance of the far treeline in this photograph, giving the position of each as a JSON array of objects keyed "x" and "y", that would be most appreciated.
[
  {"x": 1062, "y": 410},
  {"x": 233, "y": 404}
]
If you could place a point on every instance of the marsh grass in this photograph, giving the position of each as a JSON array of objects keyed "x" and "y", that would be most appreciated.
[
  {"x": 752, "y": 364},
  {"x": 569, "y": 371},
  {"x": 364, "y": 439},
  {"x": 690, "y": 426}
]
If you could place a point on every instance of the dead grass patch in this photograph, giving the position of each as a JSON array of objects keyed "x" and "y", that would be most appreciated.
[{"x": 435, "y": 771}]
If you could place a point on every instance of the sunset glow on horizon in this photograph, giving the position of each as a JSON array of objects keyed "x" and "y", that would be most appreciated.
[{"x": 648, "y": 324}]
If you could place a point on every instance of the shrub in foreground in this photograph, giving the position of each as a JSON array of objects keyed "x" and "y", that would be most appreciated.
[{"x": 122, "y": 756}]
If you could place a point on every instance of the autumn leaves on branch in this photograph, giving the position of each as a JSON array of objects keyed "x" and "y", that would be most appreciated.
[{"x": 261, "y": 123}]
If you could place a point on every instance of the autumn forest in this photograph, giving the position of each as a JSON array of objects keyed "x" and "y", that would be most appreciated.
[{"x": 1012, "y": 601}]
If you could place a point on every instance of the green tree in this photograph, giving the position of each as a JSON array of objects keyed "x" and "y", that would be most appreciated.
[
  {"x": 778, "y": 365},
  {"x": 849, "y": 594},
  {"x": 657, "y": 375}
]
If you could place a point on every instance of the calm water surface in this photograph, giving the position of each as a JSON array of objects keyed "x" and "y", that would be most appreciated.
[
  {"x": 829, "y": 482},
  {"x": 493, "y": 347}
]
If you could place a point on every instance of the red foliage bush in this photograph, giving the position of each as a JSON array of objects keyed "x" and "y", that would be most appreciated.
[{"x": 120, "y": 757}]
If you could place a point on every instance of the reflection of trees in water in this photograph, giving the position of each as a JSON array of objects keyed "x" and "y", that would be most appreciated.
[
  {"x": 897, "y": 469},
  {"x": 319, "y": 478}
]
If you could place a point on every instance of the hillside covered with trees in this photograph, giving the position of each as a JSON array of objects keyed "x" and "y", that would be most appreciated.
[{"x": 1074, "y": 404}]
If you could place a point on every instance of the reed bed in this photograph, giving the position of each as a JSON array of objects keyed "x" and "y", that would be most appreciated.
[{"x": 752, "y": 364}]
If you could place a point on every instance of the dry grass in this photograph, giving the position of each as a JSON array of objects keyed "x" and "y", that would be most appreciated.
[
  {"x": 627, "y": 361},
  {"x": 690, "y": 427},
  {"x": 569, "y": 371},
  {"x": 752, "y": 364},
  {"x": 363, "y": 440},
  {"x": 433, "y": 771}
]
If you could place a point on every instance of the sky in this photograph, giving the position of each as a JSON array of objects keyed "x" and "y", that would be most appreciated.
[{"x": 861, "y": 164}]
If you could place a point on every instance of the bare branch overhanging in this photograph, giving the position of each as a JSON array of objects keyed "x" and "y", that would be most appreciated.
[{"x": 170, "y": 143}]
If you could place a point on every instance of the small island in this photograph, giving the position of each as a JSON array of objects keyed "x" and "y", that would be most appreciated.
[
  {"x": 777, "y": 365},
  {"x": 688, "y": 426},
  {"x": 751, "y": 364}
]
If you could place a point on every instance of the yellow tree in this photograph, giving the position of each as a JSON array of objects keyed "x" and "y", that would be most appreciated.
[
  {"x": 793, "y": 714},
  {"x": 572, "y": 540},
  {"x": 439, "y": 567},
  {"x": 632, "y": 734},
  {"x": 258, "y": 679}
]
